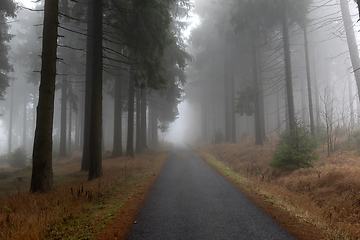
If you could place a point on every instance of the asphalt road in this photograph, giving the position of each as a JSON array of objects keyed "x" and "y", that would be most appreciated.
[{"x": 190, "y": 200}]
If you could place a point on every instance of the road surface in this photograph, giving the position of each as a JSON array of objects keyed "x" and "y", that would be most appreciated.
[{"x": 190, "y": 200}]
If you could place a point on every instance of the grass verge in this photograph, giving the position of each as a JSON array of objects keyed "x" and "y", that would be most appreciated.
[
  {"x": 325, "y": 198},
  {"x": 77, "y": 208}
]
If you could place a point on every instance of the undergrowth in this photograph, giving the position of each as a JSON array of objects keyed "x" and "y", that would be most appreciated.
[{"x": 77, "y": 208}]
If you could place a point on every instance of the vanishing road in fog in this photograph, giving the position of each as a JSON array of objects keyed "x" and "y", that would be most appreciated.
[{"x": 190, "y": 200}]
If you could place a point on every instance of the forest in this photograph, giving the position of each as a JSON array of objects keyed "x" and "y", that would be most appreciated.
[{"x": 105, "y": 79}]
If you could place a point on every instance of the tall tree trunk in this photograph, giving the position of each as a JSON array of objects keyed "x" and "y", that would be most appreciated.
[
  {"x": 204, "y": 119},
  {"x": 232, "y": 103},
  {"x": 117, "y": 141},
  {"x": 64, "y": 87},
  {"x": 351, "y": 100},
  {"x": 316, "y": 95},
  {"x": 278, "y": 130},
  {"x": 258, "y": 128},
  {"x": 143, "y": 117},
  {"x": 24, "y": 122},
  {"x": 70, "y": 117},
  {"x": 351, "y": 40},
  {"x": 11, "y": 118},
  {"x": 34, "y": 116},
  {"x": 288, "y": 77},
  {"x": 261, "y": 93},
  {"x": 95, "y": 135},
  {"x": 308, "y": 77},
  {"x": 155, "y": 127},
  {"x": 42, "y": 173},
  {"x": 85, "y": 164},
  {"x": 138, "y": 123},
  {"x": 130, "y": 133},
  {"x": 226, "y": 100}
]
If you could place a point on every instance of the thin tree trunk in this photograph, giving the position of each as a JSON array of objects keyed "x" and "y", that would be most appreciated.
[
  {"x": 258, "y": 128},
  {"x": 226, "y": 101},
  {"x": 64, "y": 88},
  {"x": 24, "y": 122},
  {"x": 11, "y": 118},
  {"x": 117, "y": 141},
  {"x": 143, "y": 118},
  {"x": 155, "y": 127},
  {"x": 232, "y": 103},
  {"x": 130, "y": 134},
  {"x": 95, "y": 135},
  {"x": 289, "y": 87},
  {"x": 138, "y": 123},
  {"x": 316, "y": 95},
  {"x": 308, "y": 77},
  {"x": 70, "y": 118},
  {"x": 42, "y": 173},
  {"x": 351, "y": 100},
  {"x": 204, "y": 119},
  {"x": 351, "y": 40},
  {"x": 88, "y": 79}
]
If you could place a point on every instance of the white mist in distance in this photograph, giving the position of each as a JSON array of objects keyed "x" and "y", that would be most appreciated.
[{"x": 177, "y": 128}]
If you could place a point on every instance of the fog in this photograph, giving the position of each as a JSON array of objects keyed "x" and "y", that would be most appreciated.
[{"x": 237, "y": 76}]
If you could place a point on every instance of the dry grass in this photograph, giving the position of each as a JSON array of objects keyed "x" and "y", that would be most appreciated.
[
  {"x": 50, "y": 215},
  {"x": 327, "y": 195}
]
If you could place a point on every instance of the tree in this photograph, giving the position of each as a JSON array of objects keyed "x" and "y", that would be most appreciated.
[
  {"x": 7, "y": 9},
  {"x": 295, "y": 150},
  {"x": 117, "y": 141},
  {"x": 64, "y": 89},
  {"x": 95, "y": 135},
  {"x": 350, "y": 37},
  {"x": 85, "y": 164},
  {"x": 42, "y": 173}
]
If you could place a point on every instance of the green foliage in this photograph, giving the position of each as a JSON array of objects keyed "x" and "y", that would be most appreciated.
[
  {"x": 295, "y": 150},
  {"x": 218, "y": 136},
  {"x": 245, "y": 101},
  {"x": 17, "y": 158}
]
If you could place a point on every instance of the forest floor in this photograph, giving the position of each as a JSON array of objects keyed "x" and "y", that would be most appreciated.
[
  {"x": 78, "y": 208},
  {"x": 316, "y": 203}
]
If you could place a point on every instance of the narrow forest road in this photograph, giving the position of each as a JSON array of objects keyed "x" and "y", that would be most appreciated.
[{"x": 190, "y": 200}]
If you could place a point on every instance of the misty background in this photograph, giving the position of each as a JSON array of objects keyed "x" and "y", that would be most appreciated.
[{"x": 212, "y": 38}]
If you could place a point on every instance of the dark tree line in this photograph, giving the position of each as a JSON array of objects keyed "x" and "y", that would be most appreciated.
[
  {"x": 131, "y": 51},
  {"x": 268, "y": 62}
]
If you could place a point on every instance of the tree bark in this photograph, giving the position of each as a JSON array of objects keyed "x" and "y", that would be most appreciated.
[
  {"x": 42, "y": 173},
  {"x": 62, "y": 150},
  {"x": 232, "y": 103},
  {"x": 138, "y": 123},
  {"x": 24, "y": 122},
  {"x": 155, "y": 127},
  {"x": 143, "y": 118},
  {"x": 88, "y": 79},
  {"x": 351, "y": 101},
  {"x": 308, "y": 77},
  {"x": 11, "y": 118},
  {"x": 95, "y": 135},
  {"x": 226, "y": 102},
  {"x": 130, "y": 134},
  {"x": 70, "y": 117},
  {"x": 117, "y": 141},
  {"x": 288, "y": 77},
  {"x": 351, "y": 40},
  {"x": 204, "y": 119},
  {"x": 258, "y": 127}
]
